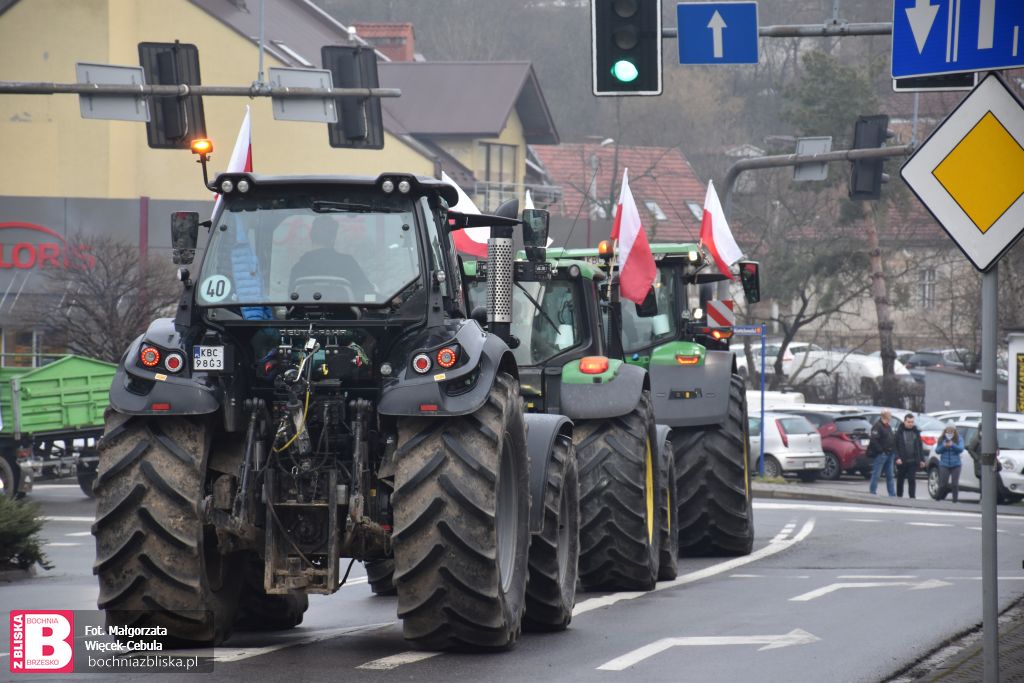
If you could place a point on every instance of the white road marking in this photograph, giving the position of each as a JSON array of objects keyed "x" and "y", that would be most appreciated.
[
  {"x": 875, "y": 509},
  {"x": 720, "y": 568},
  {"x": 395, "y": 661},
  {"x": 746, "y": 576},
  {"x": 926, "y": 524},
  {"x": 80, "y": 533},
  {"x": 90, "y": 520},
  {"x": 61, "y": 545},
  {"x": 978, "y": 578},
  {"x": 974, "y": 528},
  {"x": 795, "y": 637},
  {"x": 225, "y": 655},
  {"x": 877, "y": 576},
  {"x": 832, "y": 587},
  {"x": 866, "y": 521},
  {"x": 44, "y": 487}
]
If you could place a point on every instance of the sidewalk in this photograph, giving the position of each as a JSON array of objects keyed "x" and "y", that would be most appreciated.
[{"x": 854, "y": 491}]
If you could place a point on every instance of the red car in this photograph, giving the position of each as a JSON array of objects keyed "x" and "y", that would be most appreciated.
[{"x": 844, "y": 438}]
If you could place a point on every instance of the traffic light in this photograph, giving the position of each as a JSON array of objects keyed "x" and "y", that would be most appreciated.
[
  {"x": 359, "y": 123},
  {"x": 175, "y": 121},
  {"x": 626, "y": 47},
  {"x": 867, "y": 175}
]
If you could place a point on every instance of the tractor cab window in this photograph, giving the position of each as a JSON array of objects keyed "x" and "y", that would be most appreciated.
[
  {"x": 353, "y": 249},
  {"x": 642, "y": 333},
  {"x": 544, "y": 319}
]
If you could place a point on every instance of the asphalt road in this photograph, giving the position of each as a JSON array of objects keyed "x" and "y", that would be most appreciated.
[{"x": 832, "y": 592}]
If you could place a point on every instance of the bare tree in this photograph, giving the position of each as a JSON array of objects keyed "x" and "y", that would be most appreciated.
[{"x": 106, "y": 301}]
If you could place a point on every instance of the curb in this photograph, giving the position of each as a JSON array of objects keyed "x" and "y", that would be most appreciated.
[{"x": 797, "y": 492}]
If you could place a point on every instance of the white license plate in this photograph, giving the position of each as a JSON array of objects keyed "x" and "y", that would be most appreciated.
[
  {"x": 812, "y": 465},
  {"x": 207, "y": 357}
]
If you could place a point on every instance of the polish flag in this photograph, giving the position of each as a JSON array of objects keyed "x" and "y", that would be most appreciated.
[
  {"x": 241, "y": 155},
  {"x": 715, "y": 234},
  {"x": 636, "y": 262},
  {"x": 472, "y": 241}
]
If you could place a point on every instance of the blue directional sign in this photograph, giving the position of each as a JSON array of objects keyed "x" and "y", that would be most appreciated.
[
  {"x": 952, "y": 36},
  {"x": 717, "y": 32},
  {"x": 748, "y": 330}
]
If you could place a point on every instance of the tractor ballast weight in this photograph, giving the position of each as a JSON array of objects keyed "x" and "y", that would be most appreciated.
[{"x": 299, "y": 409}]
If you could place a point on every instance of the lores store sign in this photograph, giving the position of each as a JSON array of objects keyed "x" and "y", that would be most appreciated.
[{"x": 27, "y": 246}]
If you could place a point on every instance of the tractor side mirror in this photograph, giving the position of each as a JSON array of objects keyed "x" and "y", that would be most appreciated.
[
  {"x": 184, "y": 236},
  {"x": 648, "y": 308},
  {"x": 535, "y": 233},
  {"x": 750, "y": 276}
]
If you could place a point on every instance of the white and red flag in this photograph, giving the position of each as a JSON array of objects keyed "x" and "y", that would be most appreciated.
[
  {"x": 715, "y": 234},
  {"x": 241, "y": 155},
  {"x": 633, "y": 254},
  {"x": 471, "y": 241}
]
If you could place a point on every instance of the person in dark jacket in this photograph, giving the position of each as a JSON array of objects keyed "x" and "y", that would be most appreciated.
[
  {"x": 909, "y": 455},
  {"x": 882, "y": 449},
  {"x": 325, "y": 260},
  {"x": 949, "y": 447}
]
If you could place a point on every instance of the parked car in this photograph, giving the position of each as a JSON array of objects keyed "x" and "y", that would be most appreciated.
[
  {"x": 954, "y": 416},
  {"x": 771, "y": 353},
  {"x": 791, "y": 445},
  {"x": 772, "y": 400},
  {"x": 1010, "y": 456},
  {"x": 931, "y": 358},
  {"x": 858, "y": 374},
  {"x": 929, "y": 427},
  {"x": 902, "y": 355},
  {"x": 844, "y": 440}
]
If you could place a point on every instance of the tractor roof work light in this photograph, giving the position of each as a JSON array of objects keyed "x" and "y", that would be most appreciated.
[{"x": 202, "y": 147}]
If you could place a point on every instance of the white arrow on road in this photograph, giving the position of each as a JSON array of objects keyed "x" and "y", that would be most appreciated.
[
  {"x": 832, "y": 587},
  {"x": 716, "y": 25},
  {"x": 795, "y": 637},
  {"x": 921, "y": 17}
]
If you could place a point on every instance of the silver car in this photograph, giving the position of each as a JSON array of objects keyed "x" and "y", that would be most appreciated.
[{"x": 792, "y": 445}]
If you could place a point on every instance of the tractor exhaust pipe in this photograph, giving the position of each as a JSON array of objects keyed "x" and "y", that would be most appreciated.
[{"x": 499, "y": 273}]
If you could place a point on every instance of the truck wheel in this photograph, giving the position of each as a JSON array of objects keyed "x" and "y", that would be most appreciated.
[
  {"x": 461, "y": 520},
  {"x": 668, "y": 544},
  {"x": 86, "y": 480},
  {"x": 380, "y": 574},
  {"x": 258, "y": 611},
  {"x": 555, "y": 551},
  {"x": 619, "y": 500},
  {"x": 716, "y": 515},
  {"x": 154, "y": 554},
  {"x": 8, "y": 483}
]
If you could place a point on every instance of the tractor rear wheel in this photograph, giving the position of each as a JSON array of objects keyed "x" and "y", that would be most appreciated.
[
  {"x": 554, "y": 553},
  {"x": 461, "y": 525},
  {"x": 158, "y": 563},
  {"x": 619, "y": 484},
  {"x": 380, "y": 574},
  {"x": 716, "y": 515},
  {"x": 668, "y": 562}
]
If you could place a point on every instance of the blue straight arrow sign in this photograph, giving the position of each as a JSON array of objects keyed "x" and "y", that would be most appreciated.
[
  {"x": 931, "y": 37},
  {"x": 717, "y": 32}
]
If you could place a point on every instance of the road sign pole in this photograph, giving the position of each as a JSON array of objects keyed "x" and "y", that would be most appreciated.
[
  {"x": 989, "y": 589},
  {"x": 760, "y": 456}
]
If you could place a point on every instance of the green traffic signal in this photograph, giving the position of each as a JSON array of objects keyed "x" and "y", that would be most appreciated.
[{"x": 625, "y": 71}]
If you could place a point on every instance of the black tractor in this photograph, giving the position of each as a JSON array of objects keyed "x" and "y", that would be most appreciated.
[{"x": 320, "y": 394}]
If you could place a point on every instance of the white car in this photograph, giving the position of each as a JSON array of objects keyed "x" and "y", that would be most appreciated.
[
  {"x": 858, "y": 373},
  {"x": 954, "y": 416},
  {"x": 771, "y": 353},
  {"x": 1009, "y": 455},
  {"x": 792, "y": 445}
]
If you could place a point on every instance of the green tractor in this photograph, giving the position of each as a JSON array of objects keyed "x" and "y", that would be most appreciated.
[
  {"x": 627, "y": 537},
  {"x": 695, "y": 388},
  {"x": 320, "y": 394}
]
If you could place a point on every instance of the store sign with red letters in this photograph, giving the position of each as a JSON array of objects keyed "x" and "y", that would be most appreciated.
[{"x": 27, "y": 246}]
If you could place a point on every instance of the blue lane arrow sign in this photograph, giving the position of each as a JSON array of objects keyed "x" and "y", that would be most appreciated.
[
  {"x": 717, "y": 32},
  {"x": 931, "y": 37}
]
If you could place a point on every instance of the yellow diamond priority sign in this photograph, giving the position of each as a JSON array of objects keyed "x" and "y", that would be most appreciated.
[{"x": 970, "y": 173}]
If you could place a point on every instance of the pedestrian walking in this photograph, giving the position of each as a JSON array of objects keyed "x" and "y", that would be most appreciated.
[
  {"x": 949, "y": 448},
  {"x": 909, "y": 455},
  {"x": 882, "y": 449}
]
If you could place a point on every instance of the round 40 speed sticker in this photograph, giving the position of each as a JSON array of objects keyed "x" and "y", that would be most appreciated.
[{"x": 215, "y": 288}]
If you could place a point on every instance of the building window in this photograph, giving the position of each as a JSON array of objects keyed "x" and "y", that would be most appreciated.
[
  {"x": 926, "y": 287},
  {"x": 498, "y": 173}
]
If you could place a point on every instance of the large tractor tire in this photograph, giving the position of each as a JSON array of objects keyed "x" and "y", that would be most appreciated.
[
  {"x": 8, "y": 478},
  {"x": 668, "y": 538},
  {"x": 157, "y": 563},
  {"x": 380, "y": 574},
  {"x": 554, "y": 553},
  {"x": 258, "y": 611},
  {"x": 86, "y": 479},
  {"x": 716, "y": 515},
  {"x": 461, "y": 520},
  {"x": 619, "y": 485}
]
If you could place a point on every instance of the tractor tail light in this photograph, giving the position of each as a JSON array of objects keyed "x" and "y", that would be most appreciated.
[
  {"x": 687, "y": 359},
  {"x": 593, "y": 365},
  {"x": 149, "y": 356},
  {"x": 448, "y": 356}
]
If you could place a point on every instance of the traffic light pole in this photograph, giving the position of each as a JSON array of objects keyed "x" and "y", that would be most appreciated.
[{"x": 783, "y": 160}]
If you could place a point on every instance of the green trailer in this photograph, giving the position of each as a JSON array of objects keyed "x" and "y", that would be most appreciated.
[{"x": 50, "y": 420}]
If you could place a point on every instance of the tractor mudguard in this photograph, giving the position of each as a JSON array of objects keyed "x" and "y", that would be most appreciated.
[
  {"x": 691, "y": 395},
  {"x": 136, "y": 389},
  {"x": 541, "y": 432},
  {"x": 458, "y": 391},
  {"x": 616, "y": 394}
]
